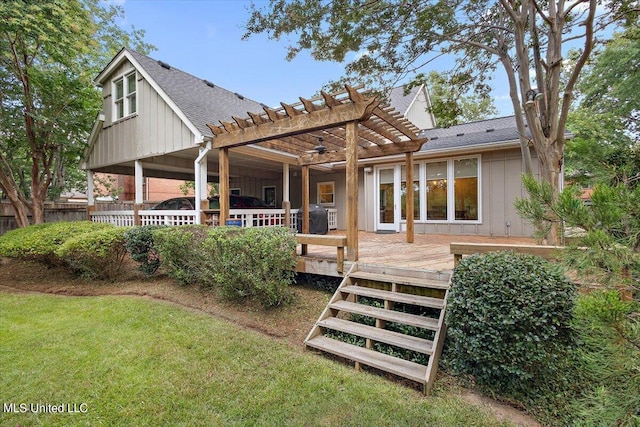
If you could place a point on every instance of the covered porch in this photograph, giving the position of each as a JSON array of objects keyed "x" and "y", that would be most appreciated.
[{"x": 327, "y": 134}]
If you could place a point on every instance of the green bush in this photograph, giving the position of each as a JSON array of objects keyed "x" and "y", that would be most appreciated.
[
  {"x": 140, "y": 245},
  {"x": 252, "y": 262},
  {"x": 40, "y": 242},
  {"x": 97, "y": 254},
  {"x": 237, "y": 263},
  {"x": 180, "y": 250},
  {"x": 509, "y": 322},
  {"x": 609, "y": 359}
]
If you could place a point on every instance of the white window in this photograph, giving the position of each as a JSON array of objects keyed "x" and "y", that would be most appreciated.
[
  {"x": 124, "y": 96},
  {"x": 453, "y": 190},
  {"x": 326, "y": 193}
]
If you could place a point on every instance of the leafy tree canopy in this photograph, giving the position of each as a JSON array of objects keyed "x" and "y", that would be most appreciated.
[
  {"x": 50, "y": 52},
  {"x": 606, "y": 146}
]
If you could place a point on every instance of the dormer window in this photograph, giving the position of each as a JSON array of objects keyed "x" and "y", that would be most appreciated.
[{"x": 124, "y": 89}]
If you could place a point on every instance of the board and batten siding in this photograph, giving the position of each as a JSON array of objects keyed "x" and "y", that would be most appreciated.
[
  {"x": 154, "y": 130},
  {"x": 501, "y": 183},
  {"x": 418, "y": 114}
]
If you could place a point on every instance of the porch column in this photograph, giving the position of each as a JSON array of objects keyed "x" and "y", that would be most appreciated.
[
  {"x": 139, "y": 199},
  {"x": 409, "y": 197},
  {"x": 286, "y": 203},
  {"x": 305, "y": 204},
  {"x": 223, "y": 162},
  {"x": 352, "y": 190},
  {"x": 200, "y": 176},
  {"x": 91, "y": 201}
]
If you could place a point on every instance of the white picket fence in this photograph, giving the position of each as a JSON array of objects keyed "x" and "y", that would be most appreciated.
[{"x": 240, "y": 217}]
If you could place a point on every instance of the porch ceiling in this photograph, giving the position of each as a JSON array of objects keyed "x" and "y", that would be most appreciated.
[{"x": 314, "y": 130}]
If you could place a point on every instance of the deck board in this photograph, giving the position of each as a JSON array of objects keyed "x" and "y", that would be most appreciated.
[{"x": 429, "y": 251}]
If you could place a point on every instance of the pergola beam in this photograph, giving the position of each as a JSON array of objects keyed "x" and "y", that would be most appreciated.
[
  {"x": 282, "y": 125},
  {"x": 402, "y": 147}
]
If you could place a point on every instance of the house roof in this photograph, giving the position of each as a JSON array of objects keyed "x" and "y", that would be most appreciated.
[
  {"x": 401, "y": 102},
  {"x": 199, "y": 100},
  {"x": 501, "y": 130}
]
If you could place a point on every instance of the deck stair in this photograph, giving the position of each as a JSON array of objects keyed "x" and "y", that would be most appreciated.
[{"x": 376, "y": 313}]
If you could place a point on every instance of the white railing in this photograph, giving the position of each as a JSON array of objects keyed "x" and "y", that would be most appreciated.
[
  {"x": 246, "y": 217},
  {"x": 179, "y": 217},
  {"x": 121, "y": 218},
  {"x": 333, "y": 219}
]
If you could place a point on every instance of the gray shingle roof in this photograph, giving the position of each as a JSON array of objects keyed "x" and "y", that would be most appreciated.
[
  {"x": 399, "y": 101},
  {"x": 491, "y": 131},
  {"x": 199, "y": 102}
]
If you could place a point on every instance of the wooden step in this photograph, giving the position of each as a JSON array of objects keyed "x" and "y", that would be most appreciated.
[
  {"x": 393, "y": 296},
  {"x": 377, "y": 334},
  {"x": 400, "y": 280},
  {"x": 403, "y": 368},
  {"x": 388, "y": 315}
]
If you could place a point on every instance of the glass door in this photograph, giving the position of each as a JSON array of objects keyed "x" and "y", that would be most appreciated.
[{"x": 388, "y": 217}]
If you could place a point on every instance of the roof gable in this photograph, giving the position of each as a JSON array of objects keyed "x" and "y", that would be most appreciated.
[{"x": 195, "y": 100}]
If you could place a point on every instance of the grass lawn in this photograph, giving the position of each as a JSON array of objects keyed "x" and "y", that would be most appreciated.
[{"x": 136, "y": 362}]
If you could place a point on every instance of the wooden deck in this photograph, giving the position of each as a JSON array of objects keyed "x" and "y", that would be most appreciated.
[{"x": 428, "y": 252}]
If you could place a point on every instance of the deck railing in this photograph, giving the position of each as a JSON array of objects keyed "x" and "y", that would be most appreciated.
[
  {"x": 121, "y": 218},
  {"x": 247, "y": 217}
]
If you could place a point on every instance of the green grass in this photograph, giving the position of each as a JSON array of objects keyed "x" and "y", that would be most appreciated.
[{"x": 136, "y": 362}]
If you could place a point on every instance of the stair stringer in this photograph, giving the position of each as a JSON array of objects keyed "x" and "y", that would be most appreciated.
[
  {"x": 346, "y": 280},
  {"x": 426, "y": 375}
]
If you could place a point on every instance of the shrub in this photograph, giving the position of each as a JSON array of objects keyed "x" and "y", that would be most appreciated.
[
  {"x": 180, "y": 250},
  {"x": 237, "y": 263},
  {"x": 508, "y": 318},
  {"x": 97, "y": 254},
  {"x": 140, "y": 244},
  {"x": 40, "y": 242},
  {"x": 252, "y": 262},
  {"x": 609, "y": 358}
]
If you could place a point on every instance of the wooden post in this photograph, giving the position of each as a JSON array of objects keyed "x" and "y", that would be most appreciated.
[
  {"x": 409, "y": 197},
  {"x": 286, "y": 205},
  {"x": 352, "y": 190},
  {"x": 223, "y": 167},
  {"x": 305, "y": 205},
  {"x": 137, "y": 207},
  {"x": 286, "y": 196}
]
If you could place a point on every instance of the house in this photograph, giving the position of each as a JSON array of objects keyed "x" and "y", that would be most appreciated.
[{"x": 159, "y": 121}]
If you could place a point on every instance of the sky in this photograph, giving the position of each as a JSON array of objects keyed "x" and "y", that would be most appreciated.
[{"x": 204, "y": 38}]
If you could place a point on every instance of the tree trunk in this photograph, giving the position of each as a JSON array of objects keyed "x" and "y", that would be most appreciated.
[
  {"x": 21, "y": 211},
  {"x": 551, "y": 162}
]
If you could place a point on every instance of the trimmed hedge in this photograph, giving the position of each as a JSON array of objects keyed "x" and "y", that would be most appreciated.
[
  {"x": 509, "y": 321},
  {"x": 139, "y": 243},
  {"x": 40, "y": 242},
  {"x": 98, "y": 254},
  {"x": 236, "y": 262},
  {"x": 180, "y": 250}
]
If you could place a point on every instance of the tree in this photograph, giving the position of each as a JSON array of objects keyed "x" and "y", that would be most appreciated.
[
  {"x": 50, "y": 53},
  {"x": 606, "y": 143},
  {"x": 395, "y": 38},
  {"x": 451, "y": 107}
]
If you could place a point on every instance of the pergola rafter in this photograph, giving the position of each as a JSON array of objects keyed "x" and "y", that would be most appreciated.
[{"x": 350, "y": 125}]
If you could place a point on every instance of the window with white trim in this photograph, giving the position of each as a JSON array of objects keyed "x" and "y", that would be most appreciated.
[
  {"x": 124, "y": 96},
  {"x": 326, "y": 193},
  {"x": 452, "y": 189}
]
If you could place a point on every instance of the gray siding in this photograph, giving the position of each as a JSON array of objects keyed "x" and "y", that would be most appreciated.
[
  {"x": 501, "y": 184},
  {"x": 155, "y": 129}
]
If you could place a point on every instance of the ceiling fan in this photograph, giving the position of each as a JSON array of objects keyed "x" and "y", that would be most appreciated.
[{"x": 320, "y": 148}]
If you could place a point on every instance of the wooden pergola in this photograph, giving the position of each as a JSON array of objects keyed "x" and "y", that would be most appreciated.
[{"x": 339, "y": 127}]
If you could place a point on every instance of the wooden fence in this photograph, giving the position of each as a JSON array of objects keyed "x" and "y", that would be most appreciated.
[{"x": 60, "y": 211}]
